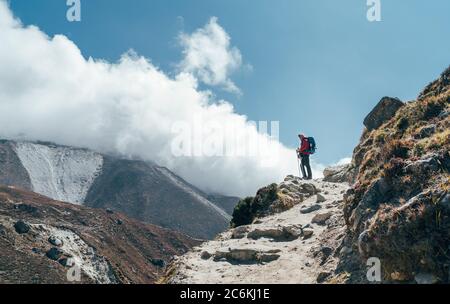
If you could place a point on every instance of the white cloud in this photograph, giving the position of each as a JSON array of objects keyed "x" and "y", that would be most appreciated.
[
  {"x": 48, "y": 91},
  {"x": 209, "y": 56}
]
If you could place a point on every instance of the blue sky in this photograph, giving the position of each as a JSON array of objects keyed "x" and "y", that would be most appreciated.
[{"x": 318, "y": 66}]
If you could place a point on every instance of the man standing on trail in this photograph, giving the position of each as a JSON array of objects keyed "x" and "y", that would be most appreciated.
[{"x": 307, "y": 147}]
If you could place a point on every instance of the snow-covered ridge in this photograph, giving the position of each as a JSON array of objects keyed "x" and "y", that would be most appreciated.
[
  {"x": 176, "y": 180},
  {"x": 61, "y": 173}
]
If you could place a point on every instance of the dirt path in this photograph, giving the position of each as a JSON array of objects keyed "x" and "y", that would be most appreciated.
[{"x": 274, "y": 249}]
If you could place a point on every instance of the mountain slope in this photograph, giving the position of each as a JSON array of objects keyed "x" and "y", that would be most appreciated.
[
  {"x": 38, "y": 236},
  {"x": 139, "y": 189},
  {"x": 12, "y": 172},
  {"x": 399, "y": 208},
  {"x": 154, "y": 194}
]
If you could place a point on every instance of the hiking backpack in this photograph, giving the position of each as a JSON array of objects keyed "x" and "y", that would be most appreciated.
[{"x": 312, "y": 145}]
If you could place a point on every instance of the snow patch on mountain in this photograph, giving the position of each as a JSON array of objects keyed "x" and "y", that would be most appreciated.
[
  {"x": 178, "y": 182},
  {"x": 81, "y": 254},
  {"x": 61, "y": 173}
]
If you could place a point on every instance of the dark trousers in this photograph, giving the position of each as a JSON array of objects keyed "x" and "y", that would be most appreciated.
[{"x": 305, "y": 166}]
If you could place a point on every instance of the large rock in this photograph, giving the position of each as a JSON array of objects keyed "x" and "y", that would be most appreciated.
[
  {"x": 310, "y": 209},
  {"x": 321, "y": 218},
  {"x": 247, "y": 255},
  {"x": 54, "y": 254},
  {"x": 339, "y": 174},
  {"x": 278, "y": 234},
  {"x": 383, "y": 111},
  {"x": 21, "y": 227}
]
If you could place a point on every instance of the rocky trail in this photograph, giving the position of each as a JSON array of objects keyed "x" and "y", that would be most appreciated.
[{"x": 300, "y": 245}]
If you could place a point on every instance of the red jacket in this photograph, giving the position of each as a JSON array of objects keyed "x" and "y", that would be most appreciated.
[{"x": 304, "y": 147}]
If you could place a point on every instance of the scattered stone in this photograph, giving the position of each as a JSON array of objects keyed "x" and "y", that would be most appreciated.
[
  {"x": 54, "y": 254},
  {"x": 36, "y": 250},
  {"x": 339, "y": 174},
  {"x": 320, "y": 199},
  {"x": 322, "y": 277},
  {"x": 205, "y": 255},
  {"x": 346, "y": 250},
  {"x": 321, "y": 218},
  {"x": 308, "y": 189},
  {"x": 67, "y": 262},
  {"x": 119, "y": 222},
  {"x": 239, "y": 232},
  {"x": 307, "y": 233},
  {"x": 21, "y": 227},
  {"x": 426, "y": 131},
  {"x": 55, "y": 241},
  {"x": 110, "y": 211},
  {"x": 310, "y": 209},
  {"x": 426, "y": 278},
  {"x": 26, "y": 208},
  {"x": 158, "y": 263},
  {"x": 267, "y": 257},
  {"x": 326, "y": 251}
]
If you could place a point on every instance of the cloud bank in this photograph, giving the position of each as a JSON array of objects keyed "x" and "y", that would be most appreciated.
[{"x": 49, "y": 91}]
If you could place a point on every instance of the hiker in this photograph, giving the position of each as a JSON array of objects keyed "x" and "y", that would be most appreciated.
[{"x": 307, "y": 147}]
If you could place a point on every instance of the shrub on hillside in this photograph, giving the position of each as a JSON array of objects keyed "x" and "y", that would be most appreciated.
[{"x": 251, "y": 207}]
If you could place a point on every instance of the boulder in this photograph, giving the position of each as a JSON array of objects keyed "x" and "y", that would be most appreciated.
[
  {"x": 67, "y": 262},
  {"x": 321, "y": 218},
  {"x": 278, "y": 234},
  {"x": 424, "y": 165},
  {"x": 21, "y": 227},
  {"x": 247, "y": 256},
  {"x": 426, "y": 131},
  {"x": 383, "y": 112},
  {"x": 307, "y": 233},
  {"x": 54, "y": 254},
  {"x": 267, "y": 257},
  {"x": 308, "y": 189},
  {"x": 339, "y": 174},
  {"x": 26, "y": 208},
  {"x": 320, "y": 199},
  {"x": 239, "y": 232},
  {"x": 55, "y": 241},
  {"x": 158, "y": 262},
  {"x": 205, "y": 255},
  {"x": 310, "y": 209},
  {"x": 322, "y": 276}
]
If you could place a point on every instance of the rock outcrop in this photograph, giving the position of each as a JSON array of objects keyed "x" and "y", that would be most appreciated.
[
  {"x": 339, "y": 174},
  {"x": 383, "y": 111},
  {"x": 398, "y": 210}
]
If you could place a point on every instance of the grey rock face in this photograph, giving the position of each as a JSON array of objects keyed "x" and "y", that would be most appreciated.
[
  {"x": 339, "y": 174},
  {"x": 383, "y": 111},
  {"x": 12, "y": 171}
]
